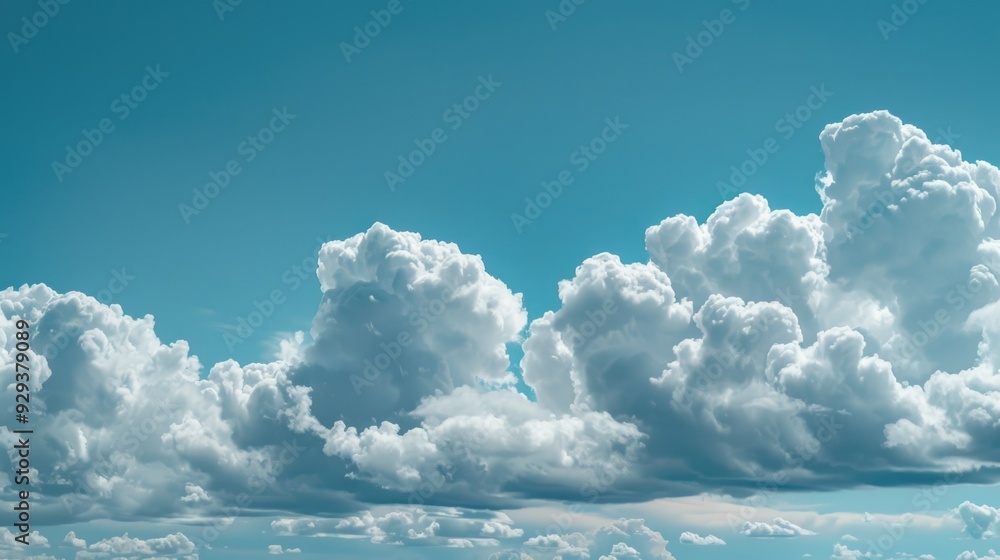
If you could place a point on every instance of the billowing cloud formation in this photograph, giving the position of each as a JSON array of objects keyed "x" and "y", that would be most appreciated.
[
  {"x": 137, "y": 433},
  {"x": 407, "y": 380},
  {"x": 820, "y": 351},
  {"x": 812, "y": 338},
  {"x": 688, "y": 537},
  {"x": 980, "y": 521},
  {"x": 127, "y": 422}
]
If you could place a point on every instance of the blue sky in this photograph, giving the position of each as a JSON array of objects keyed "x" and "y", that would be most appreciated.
[{"x": 309, "y": 127}]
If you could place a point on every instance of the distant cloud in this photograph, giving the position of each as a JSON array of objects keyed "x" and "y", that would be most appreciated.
[
  {"x": 971, "y": 555},
  {"x": 694, "y": 538},
  {"x": 410, "y": 526},
  {"x": 625, "y": 538},
  {"x": 780, "y": 528},
  {"x": 8, "y": 542},
  {"x": 176, "y": 545},
  {"x": 843, "y": 552},
  {"x": 72, "y": 540}
]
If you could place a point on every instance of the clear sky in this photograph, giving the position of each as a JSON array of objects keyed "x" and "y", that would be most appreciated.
[{"x": 186, "y": 160}]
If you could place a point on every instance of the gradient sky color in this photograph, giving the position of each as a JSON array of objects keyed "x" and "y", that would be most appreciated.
[{"x": 115, "y": 224}]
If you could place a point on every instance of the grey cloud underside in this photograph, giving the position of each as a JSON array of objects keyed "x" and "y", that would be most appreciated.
[{"x": 802, "y": 352}]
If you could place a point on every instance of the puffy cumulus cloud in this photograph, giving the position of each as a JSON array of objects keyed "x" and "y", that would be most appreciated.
[
  {"x": 609, "y": 309},
  {"x": 887, "y": 182},
  {"x": 735, "y": 253},
  {"x": 127, "y": 423},
  {"x": 621, "y": 550},
  {"x": 124, "y": 547},
  {"x": 8, "y": 542},
  {"x": 625, "y": 538},
  {"x": 408, "y": 379},
  {"x": 688, "y": 537},
  {"x": 780, "y": 528},
  {"x": 412, "y": 526},
  {"x": 689, "y": 380},
  {"x": 457, "y": 317},
  {"x": 74, "y": 541},
  {"x": 574, "y": 545},
  {"x": 980, "y": 521},
  {"x": 403, "y": 394},
  {"x": 276, "y": 549},
  {"x": 843, "y": 552},
  {"x": 195, "y": 493},
  {"x": 822, "y": 351},
  {"x": 451, "y": 527}
]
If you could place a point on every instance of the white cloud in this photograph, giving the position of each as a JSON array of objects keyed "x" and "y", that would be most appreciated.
[
  {"x": 276, "y": 549},
  {"x": 176, "y": 545},
  {"x": 409, "y": 526},
  {"x": 694, "y": 538},
  {"x": 728, "y": 513},
  {"x": 74, "y": 541},
  {"x": 980, "y": 521},
  {"x": 621, "y": 551},
  {"x": 807, "y": 351},
  {"x": 625, "y": 538},
  {"x": 407, "y": 380},
  {"x": 971, "y": 555},
  {"x": 129, "y": 420},
  {"x": 801, "y": 324},
  {"x": 195, "y": 493},
  {"x": 780, "y": 528},
  {"x": 843, "y": 552},
  {"x": 8, "y": 542}
]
